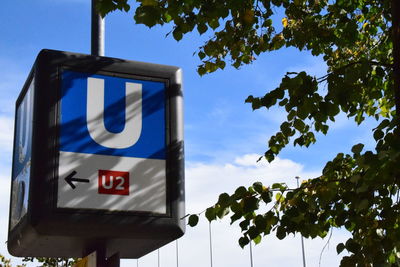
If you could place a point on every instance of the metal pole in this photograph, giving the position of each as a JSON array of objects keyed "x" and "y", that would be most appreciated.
[
  {"x": 97, "y": 40},
  {"x": 158, "y": 256},
  {"x": 177, "y": 254},
  {"x": 251, "y": 255},
  {"x": 211, "y": 255},
  {"x": 302, "y": 241},
  {"x": 114, "y": 261}
]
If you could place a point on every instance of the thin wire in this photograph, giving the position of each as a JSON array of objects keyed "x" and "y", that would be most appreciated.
[
  {"x": 211, "y": 255},
  {"x": 177, "y": 254},
  {"x": 251, "y": 255}
]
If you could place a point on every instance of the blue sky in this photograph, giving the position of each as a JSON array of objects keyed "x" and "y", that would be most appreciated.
[{"x": 223, "y": 136}]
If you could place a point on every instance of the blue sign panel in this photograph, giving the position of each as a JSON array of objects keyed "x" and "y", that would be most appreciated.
[
  {"x": 22, "y": 157},
  {"x": 109, "y": 115}
]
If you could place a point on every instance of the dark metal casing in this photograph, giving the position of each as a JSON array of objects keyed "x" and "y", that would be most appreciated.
[{"x": 42, "y": 222}]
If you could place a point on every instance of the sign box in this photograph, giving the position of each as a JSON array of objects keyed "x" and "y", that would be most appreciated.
[{"x": 98, "y": 158}]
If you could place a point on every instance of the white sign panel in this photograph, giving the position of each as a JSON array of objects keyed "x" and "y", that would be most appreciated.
[{"x": 112, "y": 144}]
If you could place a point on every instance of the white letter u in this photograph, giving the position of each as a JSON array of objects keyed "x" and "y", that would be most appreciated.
[{"x": 95, "y": 115}]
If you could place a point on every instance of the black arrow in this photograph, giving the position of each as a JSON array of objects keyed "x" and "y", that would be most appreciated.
[{"x": 70, "y": 179}]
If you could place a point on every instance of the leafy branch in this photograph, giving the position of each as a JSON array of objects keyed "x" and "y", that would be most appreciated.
[
  {"x": 356, "y": 40},
  {"x": 341, "y": 69}
]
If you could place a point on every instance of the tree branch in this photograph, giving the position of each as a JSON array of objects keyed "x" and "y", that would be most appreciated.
[{"x": 382, "y": 64}]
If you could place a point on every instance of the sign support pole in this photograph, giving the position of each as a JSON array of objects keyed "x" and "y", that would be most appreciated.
[
  {"x": 97, "y": 49},
  {"x": 97, "y": 32},
  {"x": 100, "y": 258},
  {"x": 102, "y": 261}
]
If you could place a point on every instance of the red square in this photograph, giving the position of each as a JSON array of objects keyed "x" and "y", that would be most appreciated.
[{"x": 113, "y": 182}]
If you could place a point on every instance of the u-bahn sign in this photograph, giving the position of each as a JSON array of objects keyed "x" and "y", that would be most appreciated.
[{"x": 98, "y": 157}]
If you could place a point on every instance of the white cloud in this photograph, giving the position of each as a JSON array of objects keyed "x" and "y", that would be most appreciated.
[
  {"x": 247, "y": 160},
  {"x": 204, "y": 182}
]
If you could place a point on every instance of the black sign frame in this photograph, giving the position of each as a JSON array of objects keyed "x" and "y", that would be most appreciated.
[{"x": 48, "y": 231}]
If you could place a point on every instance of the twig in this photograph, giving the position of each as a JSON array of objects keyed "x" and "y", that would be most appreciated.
[
  {"x": 325, "y": 77},
  {"x": 326, "y": 244}
]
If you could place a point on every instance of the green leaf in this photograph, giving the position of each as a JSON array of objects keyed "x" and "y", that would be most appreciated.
[
  {"x": 261, "y": 223},
  {"x": 280, "y": 233},
  {"x": 355, "y": 178},
  {"x": 258, "y": 187},
  {"x": 340, "y": 247},
  {"x": 167, "y": 17},
  {"x": 177, "y": 33},
  {"x": 352, "y": 246},
  {"x": 362, "y": 205},
  {"x": 252, "y": 232},
  {"x": 214, "y": 24},
  {"x": 224, "y": 199},
  {"x": 357, "y": 148},
  {"x": 236, "y": 217},
  {"x": 211, "y": 214},
  {"x": 221, "y": 64},
  {"x": 349, "y": 226},
  {"x": 147, "y": 15},
  {"x": 201, "y": 55},
  {"x": 240, "y": 192},
  {"x": 222, "y": 212},
  {"x": 202, "y": 28},
  {"x": 269, "y": 156},
  {"x": 299, "y": 125},
  {"x": 193, "y": 220},
  {"x": 286, "y": 129},
  {"x": 257, "y": 239},
  {"x": 201, "y": 70},
  {"x": 149, "y": 2},
  {"x": 378, "y": 134},
  {"x": 250, "y": 204},
  {"x": 244, "y": 225},
  {"x": 243, "y": 241},
  {"x": 236, "y": 207},
  {"x": 303, "y": 112},
  {"x": 127, "y": 7},
  {"x": 266, "y": 196},
  {"x": 278, "y": 186}
]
